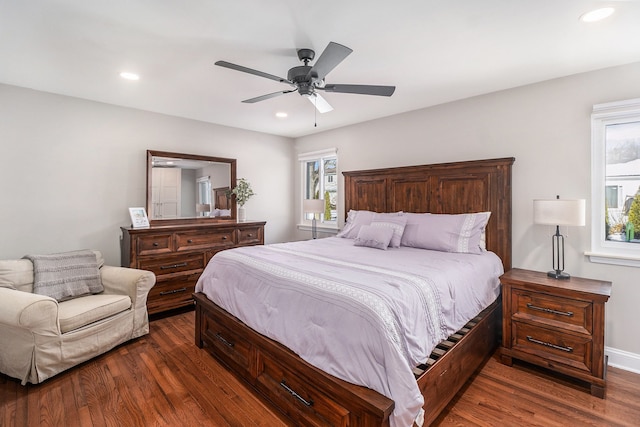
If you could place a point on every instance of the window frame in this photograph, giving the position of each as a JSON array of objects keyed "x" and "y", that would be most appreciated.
[
  {"x": 303, "y": 159},
  {"x": 602, "y": 250}
]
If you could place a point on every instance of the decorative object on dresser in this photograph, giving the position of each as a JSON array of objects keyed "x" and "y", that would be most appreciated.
[
  {"x": 559, "y": 212},
  {"x": 177, "y": 254},
  {"x": 310, "y": 396},
  {"x": 243, "y": 193},
  {"x": 556, "y": 324},
  {"x": 313, "y": 207}
]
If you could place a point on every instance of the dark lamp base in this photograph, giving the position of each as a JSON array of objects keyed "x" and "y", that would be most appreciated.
[{"x": 557, "y": 274}]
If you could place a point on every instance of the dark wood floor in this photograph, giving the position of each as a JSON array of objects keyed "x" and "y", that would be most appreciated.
[{"x": 163, "y": 379}]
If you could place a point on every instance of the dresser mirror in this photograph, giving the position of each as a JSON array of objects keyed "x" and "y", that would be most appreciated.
[{"x": 189, "y": 188}]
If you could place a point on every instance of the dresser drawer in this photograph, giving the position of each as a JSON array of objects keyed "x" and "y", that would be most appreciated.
[
  {"x": 154, "y": 244},
  {"x": 166, "y": 265},
  {"x": 571, "y": 314},
  {"x": 249, "y": 236},
  {"x": 172, "y": 293},
  {"x": 233, "y": 348},
  {"x": 203, "y": 240},
  {"x": 301, "y": 401},
  {"x": 550, "y": 344}
]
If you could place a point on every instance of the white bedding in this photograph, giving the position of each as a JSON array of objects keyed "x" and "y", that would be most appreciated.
[{"x": 364, "y": 315}]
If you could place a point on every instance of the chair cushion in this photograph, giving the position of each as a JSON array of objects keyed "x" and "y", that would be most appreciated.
[{"x": 78, "y": 312}]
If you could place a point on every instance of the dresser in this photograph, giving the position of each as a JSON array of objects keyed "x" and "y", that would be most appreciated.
[
  {"x": 557, "y": 324},
  {"x": 178, "y": 254}
]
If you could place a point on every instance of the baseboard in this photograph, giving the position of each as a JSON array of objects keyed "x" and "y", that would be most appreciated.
[{"x": 623, "y": 359}]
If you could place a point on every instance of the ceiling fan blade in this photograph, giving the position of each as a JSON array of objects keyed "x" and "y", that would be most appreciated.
[
  {"x": 320, "y": 103},
  {"x": 268, "y": 96},
  {"x": 252, "y": 71},
  {"x": 333, "y": 54},
  {"x": 360, "y": 89}
]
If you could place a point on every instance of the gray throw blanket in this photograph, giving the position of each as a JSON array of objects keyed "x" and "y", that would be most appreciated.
[{"x": 66, "y": 275}]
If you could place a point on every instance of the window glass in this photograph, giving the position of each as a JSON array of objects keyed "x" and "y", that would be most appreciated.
[
  {"x": 622, "y": 182},
  {"x": 320, "y": 181}
]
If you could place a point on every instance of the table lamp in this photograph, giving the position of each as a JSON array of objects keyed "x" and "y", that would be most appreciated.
[
  {"x": 313, "y": 206},
  {"x": 559, "y": 212}
]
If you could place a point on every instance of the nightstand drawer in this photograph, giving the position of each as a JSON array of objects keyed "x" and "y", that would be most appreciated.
[
  {"x": 565, "y": 313},
  {"x": 552, "y": 345}
]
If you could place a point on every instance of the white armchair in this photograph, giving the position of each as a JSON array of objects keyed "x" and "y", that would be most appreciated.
[{"x": 41, "y": 337}]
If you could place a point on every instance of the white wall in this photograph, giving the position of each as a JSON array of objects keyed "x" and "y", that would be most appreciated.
[
  {"x": 546, "y": 127},
  {"x": 70, "y": 168}
]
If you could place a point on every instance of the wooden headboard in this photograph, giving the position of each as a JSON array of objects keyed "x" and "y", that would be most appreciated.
[{"x": 452, "y": 188}]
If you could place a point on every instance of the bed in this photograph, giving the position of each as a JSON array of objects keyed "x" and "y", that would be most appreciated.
[{"x": 309, "y": 395}]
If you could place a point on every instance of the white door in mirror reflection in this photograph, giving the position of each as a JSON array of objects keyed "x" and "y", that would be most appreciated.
[
  {"x": 165, "y": 193},
  {"x": 203, "y": 207}
]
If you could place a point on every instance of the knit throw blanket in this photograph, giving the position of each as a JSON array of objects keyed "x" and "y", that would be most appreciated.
[{"x": 66, "y": 275}]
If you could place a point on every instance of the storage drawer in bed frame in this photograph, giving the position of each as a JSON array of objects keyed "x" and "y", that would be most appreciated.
[{"x": 309, "y": 396}]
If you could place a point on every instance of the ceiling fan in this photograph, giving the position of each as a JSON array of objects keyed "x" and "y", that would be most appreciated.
[{"x": 307, "y": 79}]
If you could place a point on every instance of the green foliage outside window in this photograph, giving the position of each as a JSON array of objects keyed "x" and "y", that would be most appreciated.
[{"x": 634, "y": 214}]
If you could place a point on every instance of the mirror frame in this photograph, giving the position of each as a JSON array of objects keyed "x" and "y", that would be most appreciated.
[{"x": 154, "y": 153}]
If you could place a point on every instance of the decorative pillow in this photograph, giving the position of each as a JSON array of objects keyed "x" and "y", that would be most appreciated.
[
  {"x": 394, "y": 221},
  {"x": 355, "y": 220},
  {"x": 66, "y": 275},
  {"x": 374, "y": 237},
  {"x": 448, "y": 233}
]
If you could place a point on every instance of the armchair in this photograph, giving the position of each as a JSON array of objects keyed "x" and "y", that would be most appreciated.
[{"x": 41, "y": 337}]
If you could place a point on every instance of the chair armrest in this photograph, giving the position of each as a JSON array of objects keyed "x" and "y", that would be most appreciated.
[
  {"x": 127, "y": 281},
  {"x": 37, "y": 313}
]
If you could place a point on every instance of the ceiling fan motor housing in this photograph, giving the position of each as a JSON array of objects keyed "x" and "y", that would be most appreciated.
[{"x": 302, "y": 79}]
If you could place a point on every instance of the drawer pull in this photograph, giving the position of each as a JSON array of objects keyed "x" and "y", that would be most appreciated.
[
  {"x": 224, "y": 341},
  {"x": 190, "y": 241},
  {"x": 155, "y": 244},
  {"x": 550, "y": 310},
  {"x": 548, "y": 344},
  {"x": 250, "y": 235},
  {"x": 174, "y": 291},
  {"x": 224, "y": 237},
  {"x": 166, "y": 267},
  {"x": 296, "y": 395}
]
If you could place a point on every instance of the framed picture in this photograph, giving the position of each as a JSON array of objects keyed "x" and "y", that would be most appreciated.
[{"x": 138, "y": 217}]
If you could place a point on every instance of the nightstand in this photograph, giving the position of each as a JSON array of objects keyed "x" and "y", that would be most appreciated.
[{"x": 556, "y": 324}]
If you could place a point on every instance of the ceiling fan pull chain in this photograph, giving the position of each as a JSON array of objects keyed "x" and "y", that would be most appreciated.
[{"x": 315, "y": 112}]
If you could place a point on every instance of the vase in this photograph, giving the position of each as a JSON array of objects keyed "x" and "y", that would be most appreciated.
[{"x": 242, "y": 214}]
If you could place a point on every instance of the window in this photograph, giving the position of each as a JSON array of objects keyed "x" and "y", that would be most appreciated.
[
  {"x": 319, "y": 181},
  {"x": 615, "y": 170}
]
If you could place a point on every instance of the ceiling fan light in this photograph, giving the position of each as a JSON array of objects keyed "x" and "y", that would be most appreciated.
[{"x": 597, "y": 14}]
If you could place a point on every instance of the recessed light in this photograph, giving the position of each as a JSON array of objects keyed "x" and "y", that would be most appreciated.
[
  {"x": 129, "y": 76},
  {"x": 597, "y": 14},
  {"x": 281, "y": 115}
]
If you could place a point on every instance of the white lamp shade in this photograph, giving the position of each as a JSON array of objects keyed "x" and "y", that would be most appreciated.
[
  {"x": 313, "y": 206},
  {"x": 203, "y": 207},
  {"x": 559, "y": 212}
]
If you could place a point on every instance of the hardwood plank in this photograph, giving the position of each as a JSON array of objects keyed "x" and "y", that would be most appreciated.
[{"x": 163, "y": 379}]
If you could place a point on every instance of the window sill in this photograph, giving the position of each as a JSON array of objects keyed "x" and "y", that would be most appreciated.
[
  {"x": 330, "y": 229},
  {"x": 608, "y": 258}
]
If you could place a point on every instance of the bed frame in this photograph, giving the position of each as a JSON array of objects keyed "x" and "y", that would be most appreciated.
[{"x": 311, "y": 397}]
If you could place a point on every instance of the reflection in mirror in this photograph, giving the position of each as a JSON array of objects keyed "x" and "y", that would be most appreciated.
[{"x": 186, "y": 186}]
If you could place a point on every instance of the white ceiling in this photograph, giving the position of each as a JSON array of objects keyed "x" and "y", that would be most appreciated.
[{"x": 433, "y": 51}]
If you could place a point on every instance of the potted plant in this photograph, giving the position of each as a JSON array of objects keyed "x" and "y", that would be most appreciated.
[{"x": 243, "y": 192}]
